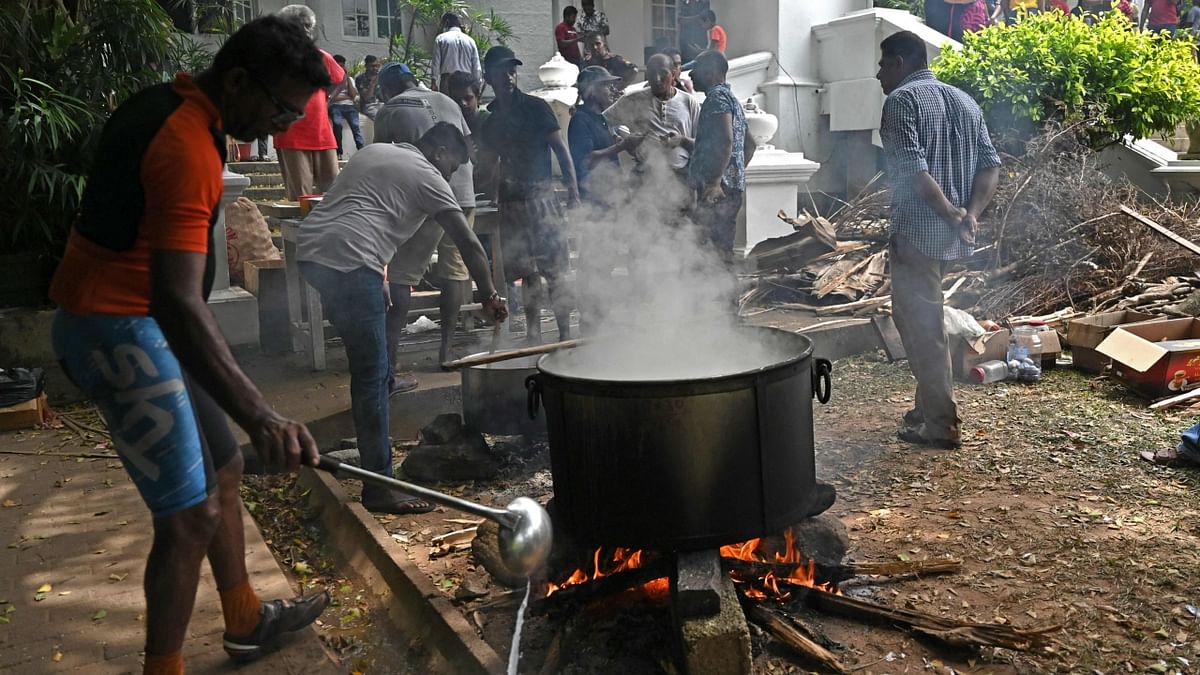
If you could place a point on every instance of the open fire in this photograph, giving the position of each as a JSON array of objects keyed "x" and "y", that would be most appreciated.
[{"x": 788, "y": 567}]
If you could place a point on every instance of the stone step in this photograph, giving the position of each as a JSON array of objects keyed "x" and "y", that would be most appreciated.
[
  {"x": 249, "y": 168},
  {"x": 258, "y": 193},
  {"x": 265, "y": 178}
]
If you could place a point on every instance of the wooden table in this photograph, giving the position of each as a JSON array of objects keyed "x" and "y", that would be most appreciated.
[
  {"x": 305, "y": 315},
  {"x": 307, "y": 335}
]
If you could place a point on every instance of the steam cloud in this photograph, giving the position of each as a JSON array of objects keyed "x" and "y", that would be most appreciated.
[{"x": 667, "y": 312}]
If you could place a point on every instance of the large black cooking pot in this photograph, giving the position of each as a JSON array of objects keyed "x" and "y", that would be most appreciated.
[{"x": 683, "y": 464}]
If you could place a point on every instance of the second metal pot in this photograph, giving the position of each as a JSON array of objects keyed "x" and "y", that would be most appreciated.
[{"x": 494, "y": 398}]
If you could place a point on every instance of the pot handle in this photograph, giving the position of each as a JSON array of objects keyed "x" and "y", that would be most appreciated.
[
  {"x": 534, "y": 388},
  {"x": 822, "y": 380}
]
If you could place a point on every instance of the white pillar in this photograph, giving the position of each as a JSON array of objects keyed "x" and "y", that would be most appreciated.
[{"x": 235, "y": 309}]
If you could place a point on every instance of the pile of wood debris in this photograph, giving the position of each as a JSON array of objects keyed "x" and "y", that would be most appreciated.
[{"x": 1060, "y": 234}]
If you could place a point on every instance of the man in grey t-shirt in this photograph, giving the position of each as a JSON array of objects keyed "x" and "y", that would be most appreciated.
[
  {"x": 376, "y": 206},
  {"x": 410, "y": 111}
]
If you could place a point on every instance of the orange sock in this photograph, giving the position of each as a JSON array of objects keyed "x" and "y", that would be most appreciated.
[
  {"x": 172, "y": 664},
  {"x": 242, "y": 609}
]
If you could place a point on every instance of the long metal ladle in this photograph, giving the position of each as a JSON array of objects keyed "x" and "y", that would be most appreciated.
[{"x": 526, "y": 534}]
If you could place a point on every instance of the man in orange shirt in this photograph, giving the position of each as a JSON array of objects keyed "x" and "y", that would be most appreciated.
[
  {"x": 308, "y": 157},
  {"x": 717, "y": 40},
  {"x": 135, "y": 333}
]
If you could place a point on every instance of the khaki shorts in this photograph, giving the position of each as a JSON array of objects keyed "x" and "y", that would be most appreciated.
[{"x": 411, "y": 261}]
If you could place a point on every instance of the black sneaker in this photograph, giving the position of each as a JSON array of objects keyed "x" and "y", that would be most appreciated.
[{"x": 278, "y": 617}]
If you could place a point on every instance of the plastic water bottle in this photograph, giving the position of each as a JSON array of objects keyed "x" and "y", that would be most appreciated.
[
  {"x": 1025, "y": 354},
  {"x": 989, "y": 372}
]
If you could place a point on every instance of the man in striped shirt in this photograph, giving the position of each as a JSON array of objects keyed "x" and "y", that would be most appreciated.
[{"x": 943, "y": 169}]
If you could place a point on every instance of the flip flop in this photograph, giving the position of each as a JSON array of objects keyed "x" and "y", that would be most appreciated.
[{"x": 1167, "y": 457}]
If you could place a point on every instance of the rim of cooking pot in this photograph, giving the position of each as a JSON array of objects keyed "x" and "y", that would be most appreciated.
[{"x": 780, "y": 369}]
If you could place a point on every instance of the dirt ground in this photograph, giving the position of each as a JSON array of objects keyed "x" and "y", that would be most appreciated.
[{"x": 1055, "y": 517}]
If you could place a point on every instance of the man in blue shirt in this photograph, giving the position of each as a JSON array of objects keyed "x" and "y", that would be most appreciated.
[
  {"x": 943, "y": 169},
  {"x": 717, "y": 171},
  {"x": 595, "y": 153}
]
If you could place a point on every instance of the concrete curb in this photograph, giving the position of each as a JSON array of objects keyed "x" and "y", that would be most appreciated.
[{"x": 414, "y": 604}]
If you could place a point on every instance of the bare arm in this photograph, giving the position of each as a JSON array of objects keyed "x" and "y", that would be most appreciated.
[
  {"x": 931, "y": 193},
  {"x": 711, "y": 174},
  {"x": 455, "y": 224},
  {"x": 983, "y": 188},
  {"x": 177, "y": 304},
  {"x": 565, "y": 165}
]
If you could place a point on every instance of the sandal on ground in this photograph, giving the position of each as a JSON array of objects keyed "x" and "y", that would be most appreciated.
[
  {"x": 402, "y": 383},
  {"x": 1168, "y": 457},
  {"x": 396, "y": 505},
  {"x": 917, "y": 437},
  {"x": 276, "y": 618}
]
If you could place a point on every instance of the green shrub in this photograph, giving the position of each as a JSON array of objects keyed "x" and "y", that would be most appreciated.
[
  {"x": 1108, "y": 78},
  {"x": 61, "y": 72}
]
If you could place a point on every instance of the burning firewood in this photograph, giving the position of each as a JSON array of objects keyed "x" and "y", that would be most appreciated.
[
  {"x": 786, "y": 632},
  {"x": 836, "y": 574}
]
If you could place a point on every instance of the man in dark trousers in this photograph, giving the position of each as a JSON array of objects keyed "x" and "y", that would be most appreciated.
[
  {"x": 523, "y": 132},
  {"x": 722, "y": 149},
  {"x": 943, "y": 169},
  {"x": 135, "y": 333}
]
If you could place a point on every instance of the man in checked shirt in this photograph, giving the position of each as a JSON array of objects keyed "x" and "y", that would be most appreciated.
[{"x": 943, "y": 169}]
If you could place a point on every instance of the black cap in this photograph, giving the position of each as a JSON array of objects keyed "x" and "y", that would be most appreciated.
[
  {"x": 593, "y": 74},
  {"x": 499, "y": 56}
]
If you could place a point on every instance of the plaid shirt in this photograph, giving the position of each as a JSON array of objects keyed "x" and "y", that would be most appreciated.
[{"x": 930, "y": 126}]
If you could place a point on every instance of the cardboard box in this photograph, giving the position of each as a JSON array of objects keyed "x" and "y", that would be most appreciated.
[
  {"x": 1156, "y": 358},
  {"x": 24, "y": 415},
  {"x": 254, "y": 269},
  {"x": 1085, "y": 334},
  {"x": 992, "y": 346}
]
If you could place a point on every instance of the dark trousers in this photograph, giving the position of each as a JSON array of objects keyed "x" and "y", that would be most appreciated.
[
  {"x": 717, "y": 223},
  {"x": 354, "y": 303},
  {"x": 917, "y": 310},
  {"x": 345, "y": 112}
]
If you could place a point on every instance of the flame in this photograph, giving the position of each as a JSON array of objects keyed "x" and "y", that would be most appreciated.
[
  {"x": 799, "y": 571},
  {"x": 767, "y": 586},
  {"x": 621, "y": 560}
]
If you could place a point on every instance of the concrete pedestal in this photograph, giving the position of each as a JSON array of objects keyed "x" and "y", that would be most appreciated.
[
  {"x": 235, "y": 309},
  {"x": 773, "y": 182}
]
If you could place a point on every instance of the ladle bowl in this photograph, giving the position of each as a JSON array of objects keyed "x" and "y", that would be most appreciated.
[{"x": 526, "y": 533}]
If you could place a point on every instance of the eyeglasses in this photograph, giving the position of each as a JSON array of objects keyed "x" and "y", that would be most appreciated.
[{"x": 287, "y": 113}]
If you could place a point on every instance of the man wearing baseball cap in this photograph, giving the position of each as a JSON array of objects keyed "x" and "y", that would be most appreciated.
[
  {"x": 596, "y": 155},
  {"x": 523, "y": 131}
]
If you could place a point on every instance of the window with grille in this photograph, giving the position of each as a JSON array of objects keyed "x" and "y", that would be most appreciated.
[
  {"x": 241, "y": 12},
  {"x": 663, "y": 27},
  {"x": 356, "y": 18},
  {"x": 387, "y": 17}
]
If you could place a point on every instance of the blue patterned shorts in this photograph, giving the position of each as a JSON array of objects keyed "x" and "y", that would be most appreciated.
[{"x": 124, "y": 366}]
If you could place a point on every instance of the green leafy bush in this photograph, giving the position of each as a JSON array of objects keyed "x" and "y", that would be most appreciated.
[
  {"x": 1108, "y": 78},
  {"x": 61, "y": 72}
]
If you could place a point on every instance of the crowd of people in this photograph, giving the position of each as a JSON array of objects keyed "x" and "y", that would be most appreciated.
[{"x": 956, "y": 17}]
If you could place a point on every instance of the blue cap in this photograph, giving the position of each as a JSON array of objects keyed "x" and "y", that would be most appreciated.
[{"x": 389, "y": 75}]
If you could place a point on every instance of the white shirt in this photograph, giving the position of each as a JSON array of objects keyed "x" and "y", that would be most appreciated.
[
  {"x": 455, "y": 51},
  {"x": 375, "y": 205},
  {"x": 643, "y": 113}
]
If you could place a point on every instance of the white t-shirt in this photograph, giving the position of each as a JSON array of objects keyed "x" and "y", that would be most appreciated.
[
  {"x": 643, "y": 113},
  {"x": 405, "y": 118},
  {"x": 375, "y": 205}
]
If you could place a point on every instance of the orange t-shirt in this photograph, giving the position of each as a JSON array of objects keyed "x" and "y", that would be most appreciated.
[
  {"x": 717, "y": 35},
  {"x": 313, "y": 131},
  {"x": 156, "y": 184}
]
